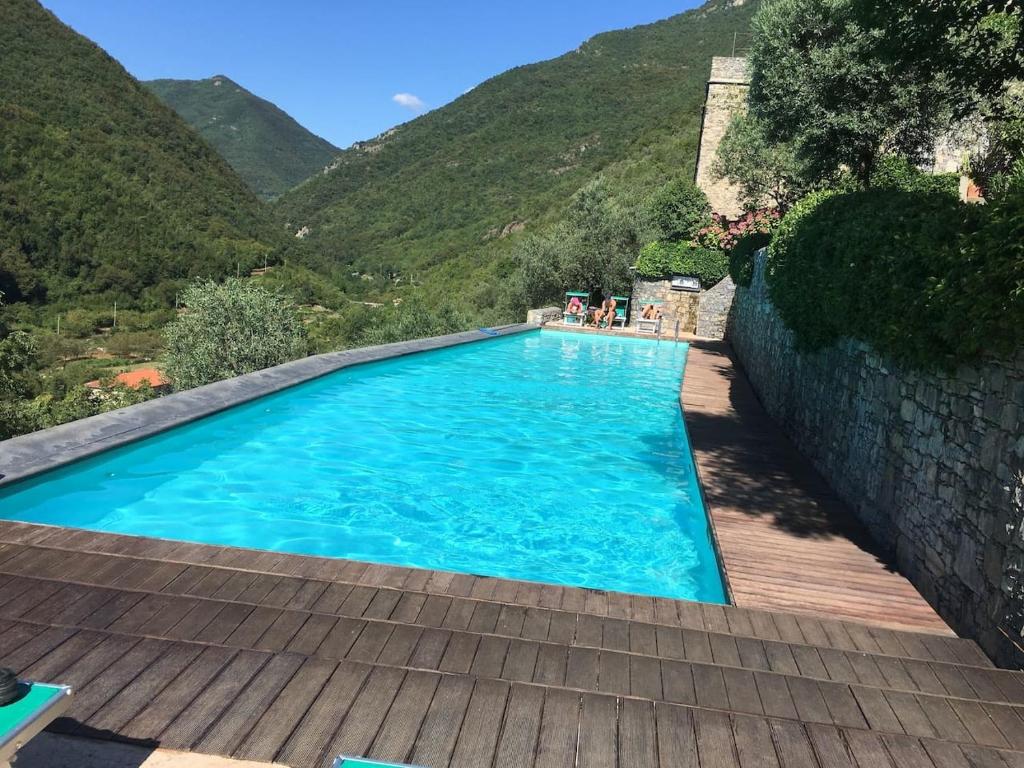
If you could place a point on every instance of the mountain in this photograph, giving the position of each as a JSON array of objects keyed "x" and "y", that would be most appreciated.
[
  {"x": 264, "y": 145},
  {"x": 444, "y": 194},
  {"x": 104, "y": 190}
]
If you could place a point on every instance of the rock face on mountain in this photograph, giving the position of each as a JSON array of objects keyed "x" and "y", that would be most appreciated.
[
  {"x": 266, "y": 146},
  {"x": 104, "y": 189}
]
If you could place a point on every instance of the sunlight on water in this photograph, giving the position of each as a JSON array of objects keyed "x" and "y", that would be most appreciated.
[{"x": 542, "y": 456}]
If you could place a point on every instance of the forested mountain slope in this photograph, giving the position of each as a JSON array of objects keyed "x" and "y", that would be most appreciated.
[
  {"x": 441, "y": 194},
  {"x": 104, "y": 190},
  {"x": 266, "y": 146}
]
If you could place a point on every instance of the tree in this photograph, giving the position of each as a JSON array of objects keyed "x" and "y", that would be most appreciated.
[
  {"x": 679, "y": 210},
  {"x": 823, "y": 78},
  {"x": 768, "y": 174},
  {"x": 593, "y": 249},
  {"x": 414, "y": 318},
  {"x": 228, "y": 329},
  {"x": 975, "y": 46}
]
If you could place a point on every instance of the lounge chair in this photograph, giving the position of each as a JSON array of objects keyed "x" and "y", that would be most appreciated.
[
  {"x": 649, "y": 325},
  {"x": 362, "y": 762},
  {"x": 621, "y": 313},
  {"x": 570, "y": 319},
  {"x": 39, "y": 705}
]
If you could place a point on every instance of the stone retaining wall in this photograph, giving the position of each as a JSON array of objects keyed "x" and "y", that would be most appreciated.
[
  {"x": 675, "y": 305},
  {"x": 933, "y": 463}
]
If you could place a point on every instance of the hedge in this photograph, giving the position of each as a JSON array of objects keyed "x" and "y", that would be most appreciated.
[
  {"x": 922, "y": 277},
  {"x": 661, "y": 259}
]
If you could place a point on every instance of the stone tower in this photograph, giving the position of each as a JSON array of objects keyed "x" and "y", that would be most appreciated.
[{"x": 726, "y": 95}]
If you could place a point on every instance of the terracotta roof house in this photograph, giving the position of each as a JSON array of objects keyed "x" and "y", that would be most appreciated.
[{"x": 135, "y": 379}]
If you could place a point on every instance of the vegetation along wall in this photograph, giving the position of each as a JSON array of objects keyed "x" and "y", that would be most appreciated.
[{"x": 933, "y": 463}]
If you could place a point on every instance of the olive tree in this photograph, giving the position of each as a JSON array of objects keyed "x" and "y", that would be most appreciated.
[
  {"x": 821, "y": 79},
  {"x": 848, "y": 81},
  {"x": 593, "y": 248},
  {"x": 228, "y": 329},
  {"x": 679, "y": 210},
  {"x": 768, "y": 174}
]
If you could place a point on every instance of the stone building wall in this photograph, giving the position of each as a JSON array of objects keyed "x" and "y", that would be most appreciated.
[
  {"x": 715, "y": 304},
  {"x": 726, "y": 95},
  {"x": 544, "y": 315},
  {"x": 675, "y": 305},
  {"x": 933, "y": 463}
]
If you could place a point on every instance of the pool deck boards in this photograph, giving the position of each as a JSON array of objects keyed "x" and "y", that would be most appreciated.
[
  {"x": 265, "y": 656},
  {"x": 827, "y": 659},
  {"x": 787, "y": 541}
]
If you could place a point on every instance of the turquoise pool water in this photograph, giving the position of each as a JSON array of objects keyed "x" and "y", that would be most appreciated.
[{"x": 542, "y": 456}]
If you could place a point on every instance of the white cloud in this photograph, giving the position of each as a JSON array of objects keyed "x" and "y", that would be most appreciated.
[{"x": 409, "y": 101}]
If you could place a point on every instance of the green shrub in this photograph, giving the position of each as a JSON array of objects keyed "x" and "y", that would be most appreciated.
[
  {"x": 231, "y": 328},
  {"x": 897, "y": 172},
  {"x": 413, "y": 319},
  {"x": 679, "y": 210},
  {"x": 741, "y": 257},
  {"x": 920, "y": 276},
  {"x": 655, "y": 259},
  {"x": 660, "y": 259}
]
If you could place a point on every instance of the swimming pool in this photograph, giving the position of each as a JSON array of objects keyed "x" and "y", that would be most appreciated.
[{"x": 542, "y": 456}]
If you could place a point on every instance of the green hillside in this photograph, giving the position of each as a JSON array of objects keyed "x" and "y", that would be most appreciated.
[
  {"x": 104, "y": 191},
  {"x": 450, "y": 187},
  {"x": 266, "y": 147}
]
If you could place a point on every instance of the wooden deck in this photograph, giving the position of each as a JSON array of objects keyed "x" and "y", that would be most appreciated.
[
  {"x": 269, "y": 656},
  {"x": 787, "y": 542}
]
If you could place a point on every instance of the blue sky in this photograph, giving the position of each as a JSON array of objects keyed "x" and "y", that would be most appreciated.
[{"x": 337, "y": 66}]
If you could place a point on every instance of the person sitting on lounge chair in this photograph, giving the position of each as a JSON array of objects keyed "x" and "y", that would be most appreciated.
[
  {"x": 574, "y": 307},
  {"x": 606, "y": 312},
  {"x": 650, "y": 312}
]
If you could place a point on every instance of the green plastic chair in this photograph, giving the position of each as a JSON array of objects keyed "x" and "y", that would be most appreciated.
[
  {"x": 22, "y": 719},
  {"x": 569, "y": 319},
  {"x": 621, "y": 311}
]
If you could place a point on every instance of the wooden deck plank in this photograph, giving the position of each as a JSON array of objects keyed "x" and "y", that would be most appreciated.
[
  {"x": 358, "y": 730},
  {"x": 792, "y": 745},
  {"x": 481, "y": 724},
  {"x": 559, "y": 730},
  {"x": 677, "y": 742},
  {"x": 397, "y": 734},
  {"x": 286, "y": 710},
  {"x": 148, "y": 684},
  {"x": 239, "y": 717},
  {"x": 436, "y": 741},
  {"x": 51, "y": 665},
  {"x": 715, "y": 743},
  {"x": 103, "y": 687},
  {"x": 755, "y": 747},
  {"x": 517, "y": 746},
  {"x": 598, "y": 737},
  {"x": 308, "y": 742},
  {"x": 637, "y": 734},
  {"x": 153, "y": 718}
]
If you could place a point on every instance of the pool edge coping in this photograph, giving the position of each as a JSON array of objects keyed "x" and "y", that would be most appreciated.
[
  {"x": 730, "y": 598},
  {"x": 37, "y": 452}
]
